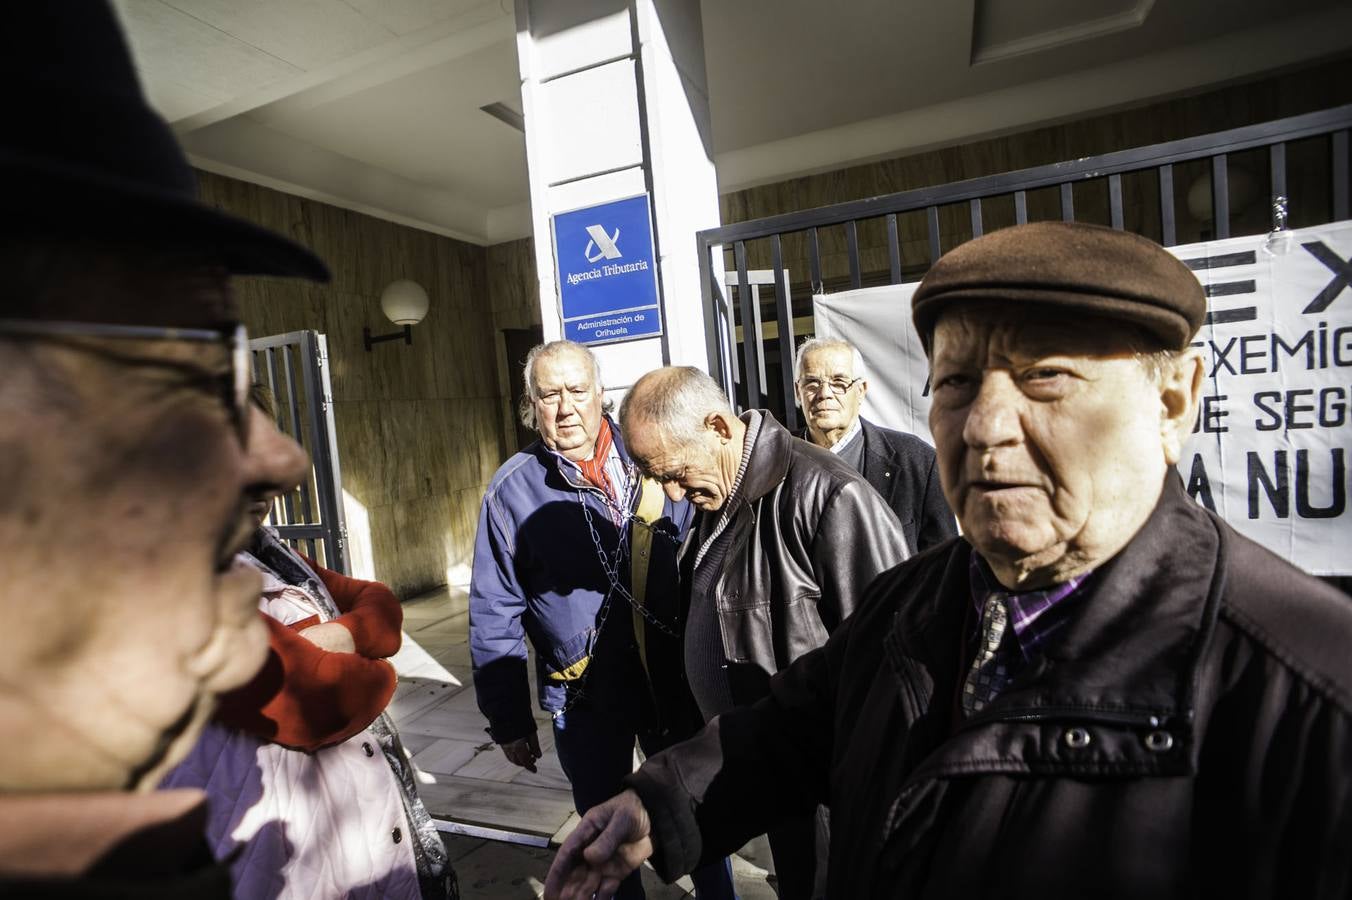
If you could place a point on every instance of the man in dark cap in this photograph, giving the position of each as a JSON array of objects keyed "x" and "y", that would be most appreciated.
[
  {"x": 130, "y": 455},
  {"x": 1099, "y": 690}
]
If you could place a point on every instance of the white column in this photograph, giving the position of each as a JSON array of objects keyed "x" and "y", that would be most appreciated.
[{"x": 616, "y": 105}]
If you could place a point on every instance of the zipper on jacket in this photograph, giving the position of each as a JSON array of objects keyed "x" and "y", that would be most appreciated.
[{"x": 1100, "y": 716}]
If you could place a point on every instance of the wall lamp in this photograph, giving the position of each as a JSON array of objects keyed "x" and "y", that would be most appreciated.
[{"x": 404, "y": 303}]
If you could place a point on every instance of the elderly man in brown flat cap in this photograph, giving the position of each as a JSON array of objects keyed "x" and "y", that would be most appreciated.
[{"x": 1099, "y": 690}]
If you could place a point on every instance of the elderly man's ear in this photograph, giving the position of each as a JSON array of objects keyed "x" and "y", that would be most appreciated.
[
  {"x": 718, "y": 423},
  {"x": 1180, "y": 392}
]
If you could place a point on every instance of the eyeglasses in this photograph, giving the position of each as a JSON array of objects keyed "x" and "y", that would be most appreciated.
[
  {"x": 234, "y": 386},
  {"x": 814, "y": 386}
]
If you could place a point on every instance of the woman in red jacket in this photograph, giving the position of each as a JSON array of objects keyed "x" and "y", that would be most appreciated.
[{"x": 309, "y": 788}]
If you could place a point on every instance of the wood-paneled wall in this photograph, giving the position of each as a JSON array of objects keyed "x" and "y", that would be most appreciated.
[
  {"x": 419, "y": 427},
  {"x": 1276, "y": 96}
]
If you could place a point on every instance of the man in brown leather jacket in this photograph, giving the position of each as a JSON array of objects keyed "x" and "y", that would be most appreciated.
[
  {"x": 1099, "y": 690},
  {"x": 786, "y": 538}
]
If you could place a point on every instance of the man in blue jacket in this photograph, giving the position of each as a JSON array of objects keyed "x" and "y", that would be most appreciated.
[{"x": 575, "y": 551}]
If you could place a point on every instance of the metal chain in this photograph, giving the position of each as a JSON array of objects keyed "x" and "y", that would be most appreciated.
[{"x": 610, "y": 564}]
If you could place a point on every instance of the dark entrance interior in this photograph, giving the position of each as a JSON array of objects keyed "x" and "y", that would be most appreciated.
[{"x": 519, "y": 342}]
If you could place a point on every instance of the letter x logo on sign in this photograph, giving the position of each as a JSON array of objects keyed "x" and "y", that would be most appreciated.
[
  {"x": 1342, "y": 276},
  {"x": 603, "y": 245}
]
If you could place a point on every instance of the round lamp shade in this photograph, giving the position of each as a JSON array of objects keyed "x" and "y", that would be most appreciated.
[{"x": 404, "y": 302}]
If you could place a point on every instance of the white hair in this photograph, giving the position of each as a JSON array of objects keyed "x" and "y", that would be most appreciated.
[
  {"x": 827, "y": 344},
  {"x": 526, "y": 407}
]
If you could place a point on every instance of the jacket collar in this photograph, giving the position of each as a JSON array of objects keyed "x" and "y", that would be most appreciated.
[
  {"x": 874, "y": 445},
  {"x": 1130, "y": 652},
  {"x": 769, "y": 462}
]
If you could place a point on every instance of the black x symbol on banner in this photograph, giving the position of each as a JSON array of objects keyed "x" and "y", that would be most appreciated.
[{"x": 1342, "y": 276}]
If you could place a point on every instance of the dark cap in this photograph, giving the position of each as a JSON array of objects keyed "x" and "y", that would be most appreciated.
[
  {"x": 1071, "y": 267},
  {"x": 82, "y": 155}
]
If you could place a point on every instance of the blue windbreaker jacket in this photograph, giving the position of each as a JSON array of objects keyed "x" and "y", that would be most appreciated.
[{"x": 537, "y": 574}]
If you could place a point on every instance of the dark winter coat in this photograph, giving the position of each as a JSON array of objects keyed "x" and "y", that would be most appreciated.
[
  {"x": 902, "y": 468},
  {"x": 1188, "y": 733}
]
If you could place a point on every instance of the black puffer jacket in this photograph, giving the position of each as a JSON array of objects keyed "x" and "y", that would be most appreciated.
[
  {"x": 1188, "y": 734},
  {"x": 806, "y": 534}
]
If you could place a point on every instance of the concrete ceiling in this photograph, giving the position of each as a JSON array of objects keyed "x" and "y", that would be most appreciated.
[{"x": 378, "y": 105}]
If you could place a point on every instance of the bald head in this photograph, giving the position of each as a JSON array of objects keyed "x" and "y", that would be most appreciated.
[
  {"x": 681, "y": 431},
  {"x": 675, "y": 399}
]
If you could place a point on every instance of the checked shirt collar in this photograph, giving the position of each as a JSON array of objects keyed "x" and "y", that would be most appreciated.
[{"x": 1036, "y": 616}]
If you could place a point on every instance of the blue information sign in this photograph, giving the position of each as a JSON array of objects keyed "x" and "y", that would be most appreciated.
[{"x": 607, "y": 272}]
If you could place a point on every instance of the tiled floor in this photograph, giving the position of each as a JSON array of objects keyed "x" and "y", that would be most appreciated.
[{"x": 465, "y": 779}]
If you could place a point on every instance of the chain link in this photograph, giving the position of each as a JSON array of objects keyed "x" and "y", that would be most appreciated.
[{"x": 625, "y": 522}]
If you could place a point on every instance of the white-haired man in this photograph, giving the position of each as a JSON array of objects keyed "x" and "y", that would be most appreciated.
[
  {"x": 575, "y": 553},
  {"x": 830, "y": 385}
]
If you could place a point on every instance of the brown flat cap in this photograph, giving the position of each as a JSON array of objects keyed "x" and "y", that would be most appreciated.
[{"x": 1073, "y": 267}]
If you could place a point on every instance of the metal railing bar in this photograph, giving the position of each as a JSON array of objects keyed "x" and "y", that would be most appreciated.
[
  {"x": 1067, "y": 202},
  {"x": 814, "y": 260},
  {"x": 1231, "y": 141},
  {"x": 1220, "y": 197},
  {"x": 1340, "y": 180},
  {"x": 852, "y": 251},
  {"x": 712, "y": 344},
  {"x": 751, "y": 336},
  {"x": 270, "y": 354},
  {"x": 784, "y": 316},
  {"x": 1277, "y": 170},
  {"x": 300, "y": 532},
  {"x": 1168, "y": 227},
  {"x": 932, "y": 221},
  {"x": 306, "y": 511},
  {"x": 1115, "y": 201},
  {"x": 893, "y": 250}
]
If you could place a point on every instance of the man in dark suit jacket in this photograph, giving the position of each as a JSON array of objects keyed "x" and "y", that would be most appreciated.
[{"x": 830, "y": 387}]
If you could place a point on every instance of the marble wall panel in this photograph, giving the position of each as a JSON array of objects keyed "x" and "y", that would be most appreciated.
[{"x": 414, "y": 423}]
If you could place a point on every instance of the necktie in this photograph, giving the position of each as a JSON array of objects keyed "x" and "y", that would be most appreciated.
[{"x": 987, "y": 676}]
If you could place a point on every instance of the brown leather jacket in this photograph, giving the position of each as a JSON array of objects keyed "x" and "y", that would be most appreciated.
[
  {"x": 807, "y": 534},
  {"x": 1188, "y": 735}
]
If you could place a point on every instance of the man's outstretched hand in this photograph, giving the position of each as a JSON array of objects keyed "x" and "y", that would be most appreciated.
[{"x": 611, "y": 841}]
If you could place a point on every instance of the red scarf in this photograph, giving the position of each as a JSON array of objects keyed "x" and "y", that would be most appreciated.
[{"x": 594, "y": 469}]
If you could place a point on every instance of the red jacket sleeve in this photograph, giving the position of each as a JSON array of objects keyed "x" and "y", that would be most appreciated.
[
  {"x": 307, "y": 698},
  {"x": 369, "y": 610}
]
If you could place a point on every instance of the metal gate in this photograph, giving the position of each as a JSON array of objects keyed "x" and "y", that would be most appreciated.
[
  {"x": 895, "y": 238},
  {"x": 310, "y": 518}
]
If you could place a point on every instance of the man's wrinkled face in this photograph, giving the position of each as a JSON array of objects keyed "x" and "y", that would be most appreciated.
[
  {"x": 701, "y": 470},
  {"x": 1051, "y": 438},
  {"x": 829, "y": 391},
  {"x": 568, "y": 403},
  {"x": 124, "y": 613}
]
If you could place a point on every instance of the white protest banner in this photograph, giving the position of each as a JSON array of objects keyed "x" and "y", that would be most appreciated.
[{"x": 1273, "y": 441}]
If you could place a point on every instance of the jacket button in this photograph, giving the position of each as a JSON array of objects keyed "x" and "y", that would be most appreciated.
[
  {"x": 1076, "y": 738},
  {"x": 366, "y": 748},
  {"x": 1159, "y": 741},
  {"x": 397, "y": 835}
]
